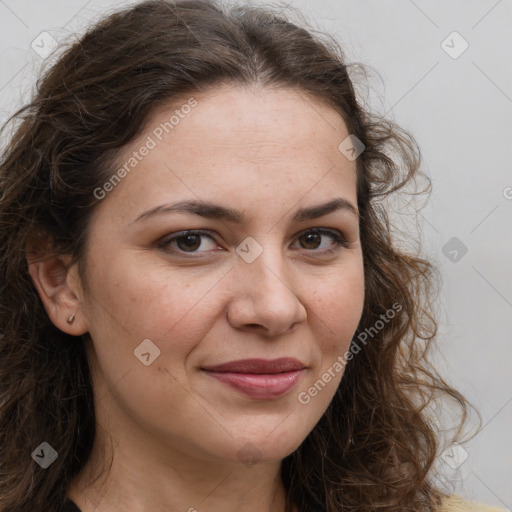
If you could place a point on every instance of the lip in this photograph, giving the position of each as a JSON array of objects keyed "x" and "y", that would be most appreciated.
[
  {"x": 259, "y": 378},
  {"x": 263, "y": 386},
  {"x": 281, "y": 365}
]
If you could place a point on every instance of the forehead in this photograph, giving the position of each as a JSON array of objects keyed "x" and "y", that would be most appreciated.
[{"x": 245, "y": 144}]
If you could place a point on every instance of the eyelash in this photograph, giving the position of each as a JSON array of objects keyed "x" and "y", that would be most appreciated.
[{"x": 339, "y": 241}]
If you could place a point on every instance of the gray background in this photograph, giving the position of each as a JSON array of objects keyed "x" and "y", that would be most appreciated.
[{"x": 460, "y": 112}]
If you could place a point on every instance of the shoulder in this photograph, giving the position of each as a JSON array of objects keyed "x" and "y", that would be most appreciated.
[{"x": 456, "y": 503}]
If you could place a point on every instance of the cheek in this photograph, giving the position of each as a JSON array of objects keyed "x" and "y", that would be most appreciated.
[
  {"x": 338, "y": 306},
  {"x": 137, "y": 301},
  {"x": 337, "y": 309}
]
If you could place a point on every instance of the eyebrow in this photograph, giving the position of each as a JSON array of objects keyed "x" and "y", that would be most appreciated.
[{"x": 216, "y": 211}]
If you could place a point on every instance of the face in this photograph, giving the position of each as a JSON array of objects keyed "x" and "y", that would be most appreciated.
[{"x": 259, "y": 277}]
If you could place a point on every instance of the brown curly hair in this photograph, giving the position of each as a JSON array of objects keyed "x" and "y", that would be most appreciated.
[{"x": 376, "y": 445}]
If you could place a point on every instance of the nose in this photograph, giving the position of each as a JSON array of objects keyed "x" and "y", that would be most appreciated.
[{"x": 264, "y": 298}]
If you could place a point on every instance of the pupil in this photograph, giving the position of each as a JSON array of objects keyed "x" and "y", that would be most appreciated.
[
  {"x": 190, "y": 238},
  {"x": 308, "y": 236}
]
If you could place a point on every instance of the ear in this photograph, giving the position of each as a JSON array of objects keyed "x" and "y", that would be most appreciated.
[{"x": 59, "y": 287}]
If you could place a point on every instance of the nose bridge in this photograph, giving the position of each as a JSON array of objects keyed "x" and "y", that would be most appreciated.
[{"x": 263, "y": 262}]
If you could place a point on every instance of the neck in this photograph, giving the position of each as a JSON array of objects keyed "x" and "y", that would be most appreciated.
[{"x": 144, "y": 478}]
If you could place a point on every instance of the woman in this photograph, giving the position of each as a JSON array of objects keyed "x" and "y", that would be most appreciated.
[{"x": 279, "y": 362}]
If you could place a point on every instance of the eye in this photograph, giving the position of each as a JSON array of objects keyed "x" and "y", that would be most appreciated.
[
  {"x": 188, "y": 242},
  {"x": 314, "y": 237}
]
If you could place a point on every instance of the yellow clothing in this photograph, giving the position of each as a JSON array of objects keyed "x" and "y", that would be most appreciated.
[{"x": 456, "y": 503}]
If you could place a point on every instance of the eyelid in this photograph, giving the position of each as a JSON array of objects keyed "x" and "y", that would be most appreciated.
[{"x": 168, "y": 239}]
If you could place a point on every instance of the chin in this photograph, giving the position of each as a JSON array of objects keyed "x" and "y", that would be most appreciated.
[{"x": 266, "y": 448}]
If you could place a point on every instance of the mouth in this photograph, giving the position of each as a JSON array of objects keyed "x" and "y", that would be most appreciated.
[{"x": 259, "y": 378}]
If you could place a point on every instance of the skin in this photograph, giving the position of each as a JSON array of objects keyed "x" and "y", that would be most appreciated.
[{"x": 174, "y": 431}]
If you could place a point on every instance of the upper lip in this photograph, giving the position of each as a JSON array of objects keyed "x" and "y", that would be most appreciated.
[{"x": 281, "y": 365}]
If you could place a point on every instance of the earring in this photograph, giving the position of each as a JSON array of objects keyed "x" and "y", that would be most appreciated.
[{"x": 71, "y": 319}]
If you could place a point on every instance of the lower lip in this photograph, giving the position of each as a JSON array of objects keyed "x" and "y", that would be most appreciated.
[{"x": 259, "y": 385}]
